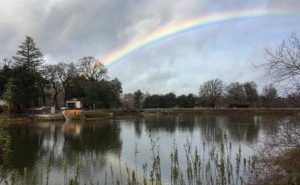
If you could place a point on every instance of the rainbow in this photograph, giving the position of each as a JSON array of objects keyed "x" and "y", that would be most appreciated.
[{"x": 184, "y": 26}]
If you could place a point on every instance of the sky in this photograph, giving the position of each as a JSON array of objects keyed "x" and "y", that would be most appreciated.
[{"x": 66, "y": 30}]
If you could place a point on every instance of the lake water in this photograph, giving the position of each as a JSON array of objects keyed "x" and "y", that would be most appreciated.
[{"x": 104, "y": 147}]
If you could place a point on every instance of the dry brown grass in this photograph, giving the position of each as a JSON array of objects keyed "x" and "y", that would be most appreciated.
[{"x": 281, "y": 170}]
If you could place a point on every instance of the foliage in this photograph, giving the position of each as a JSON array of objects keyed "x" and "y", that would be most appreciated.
[
  {"x": 5, "y": 75},
  {"x": 188, "y": 101},
  {"x": 22, "y": 82},
  {"x": 153, "y": 101},
  {"x": 160, "y": 101},
  {"x": 27, "y": 83},
  {"x": 27, "y": 90},
  {"x": 251, "y": 93},
  {"x": 75, "y": 87},
  {"x": 9, "y": 94},
  {"x": 138, "y": 96},
  {"x": 95, "y": 94},
  {"x": 28, "y": 56},
  {"x": 236, "y": 95},
  {"x": 31, "y": 84}
]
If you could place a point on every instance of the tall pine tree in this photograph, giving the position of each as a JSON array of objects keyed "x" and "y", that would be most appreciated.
[
  {"x": 26, "y": 76},
  {"x": 28, "y": 55}
]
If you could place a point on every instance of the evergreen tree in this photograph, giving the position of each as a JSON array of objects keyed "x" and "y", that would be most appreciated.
[
  {"x": 138, "y": 96},
  {"x": 29, "y": 55},
  {"x": 27, "y": 92},
  {"x": 30, "y": 85}
]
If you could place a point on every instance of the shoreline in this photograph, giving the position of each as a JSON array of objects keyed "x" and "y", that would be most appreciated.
[{"x": 100, "y": 114}]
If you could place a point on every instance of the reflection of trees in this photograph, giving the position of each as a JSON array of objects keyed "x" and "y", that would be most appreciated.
[
  {"x": 185, "y": 123},
  {"x": 94, "y": 141},
  {"x": 237, "y": 127},
  {"x": 26, "y": 144},
  {"x": 209, "y": 127},
  {"x": 31, "y": 143},
  {"x": 272, "y": 124},
  {"x": 242, "y": 127},
  {"x": 99, "y": 137},
  {"x": 138, "y": 127},
  {"x": 161, "y": 123},
  {"x": 206, "y": 124}
]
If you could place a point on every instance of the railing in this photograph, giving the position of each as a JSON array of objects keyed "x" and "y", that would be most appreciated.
[{"x": 70, "y": 114}]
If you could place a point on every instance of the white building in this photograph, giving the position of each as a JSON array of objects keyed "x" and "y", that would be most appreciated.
[{"x": 74, "y": 104}]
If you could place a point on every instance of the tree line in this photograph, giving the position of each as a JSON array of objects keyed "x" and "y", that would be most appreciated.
[
  {"x": 282, "y": 68},
  {"x": 215, "y": 94},
  {"x": 26, "y": 81}
]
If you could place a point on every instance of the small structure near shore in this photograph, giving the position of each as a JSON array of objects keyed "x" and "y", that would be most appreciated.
[
  {"x": 74, "y": 104},
  {"x": 73, "y": 109},
  {"x": 42, "y": 110},
  {"x": 4, "y": 106}
]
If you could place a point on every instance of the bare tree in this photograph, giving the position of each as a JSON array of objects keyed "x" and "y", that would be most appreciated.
[
  {"x": 278, "y": 156},
  {"x": 283, "y": 63},
  {"x": 92, "y": 68},
  {"x": 269, "y": 95},
  {"x": 211, "y": 92},
  {"x": 58, "y": 76}
]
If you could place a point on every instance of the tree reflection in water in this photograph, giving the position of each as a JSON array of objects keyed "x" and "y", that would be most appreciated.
[{"x": 101, "y": 143}]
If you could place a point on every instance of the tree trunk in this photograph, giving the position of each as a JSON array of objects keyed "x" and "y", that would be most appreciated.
[{"x": 55, "y": 99}]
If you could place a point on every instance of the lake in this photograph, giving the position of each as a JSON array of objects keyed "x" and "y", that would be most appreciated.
[{"x": 108, "y": 149}]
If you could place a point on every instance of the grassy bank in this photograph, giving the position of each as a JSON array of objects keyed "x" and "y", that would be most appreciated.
[
  {"x": 280, "y": 170},
  {"x": 227, "y": 111},
  {"x": 113, "y": 113}
]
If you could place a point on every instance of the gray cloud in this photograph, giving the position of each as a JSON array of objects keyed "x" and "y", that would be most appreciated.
[{"x": 66, "y": 30}]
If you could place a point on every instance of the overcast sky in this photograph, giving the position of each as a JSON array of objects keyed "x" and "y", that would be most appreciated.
[{"x": 66, "y": 30}]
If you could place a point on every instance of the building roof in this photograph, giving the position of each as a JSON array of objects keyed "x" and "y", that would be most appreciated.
[{"x": 72, "y": 100}]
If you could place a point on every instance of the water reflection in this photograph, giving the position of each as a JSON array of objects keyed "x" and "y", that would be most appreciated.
[
  {"x": 31, "y": 143},
  {"x": 26, "y": 145},
  {"x": 71, "y": 128},
  {"x": 238, "y": 128},
  {"x": 101, "y": 143},
  {"x": 94, "y": 137}
]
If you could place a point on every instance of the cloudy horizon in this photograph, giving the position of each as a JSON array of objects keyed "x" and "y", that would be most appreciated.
[{"x": 66, "y": 30}]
